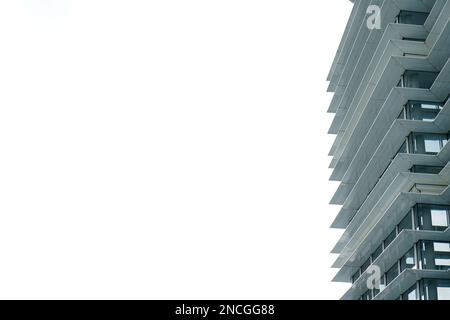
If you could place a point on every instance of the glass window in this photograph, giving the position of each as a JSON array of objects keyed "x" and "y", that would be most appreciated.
[
  {"x": 442, "y": 255},
  {"x": 443, "y": 290},
  {"x": 390, "y": 238},
  {"x": 356, "y": 276},
  {"x": 377, "y": 252},
  {"x": 406, "y": 223},
  {"x": 411, "y": 294},
  {"x": 435, "y": 255},
  {"x": 365, "y": 265},
  {"x": 432, "y": 217},
  {"x": 426, "y": 169},
  {"x": 434, "y": 289},
  {"x": 441, "y": 246},
  {"x": 432, "y": 145},
  {"x": 439, "y": 218},
  {"x": 392, "y": 273},
  {"x": 424, "y": 111},
  {"x": 408, "y": 261},
  {"x": 427, "y": 143},
  {"x": 418, "y": 79},
  {"x": 411, "y": 17},
  {"x": 421, "y": 39}
]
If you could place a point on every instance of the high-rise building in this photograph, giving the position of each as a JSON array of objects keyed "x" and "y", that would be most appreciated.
[{"x": 391, "y": 83}]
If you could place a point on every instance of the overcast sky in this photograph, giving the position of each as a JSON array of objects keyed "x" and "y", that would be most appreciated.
[{"x": 167, "y": 149}]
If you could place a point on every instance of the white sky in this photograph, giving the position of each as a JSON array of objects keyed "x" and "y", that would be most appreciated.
[{"x": 167, "y": 149}]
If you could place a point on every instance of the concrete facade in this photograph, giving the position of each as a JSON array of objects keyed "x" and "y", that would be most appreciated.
[{"x": 392, "y": 121}]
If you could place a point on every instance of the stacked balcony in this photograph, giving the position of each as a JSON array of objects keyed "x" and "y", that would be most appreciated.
[{"x": 391, "y": 153}]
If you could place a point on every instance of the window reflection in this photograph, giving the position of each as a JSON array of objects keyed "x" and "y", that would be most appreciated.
[
  {"x": 435, "y": 255},
  {"x": 422, "y": 111},
  {"x": 435, "y": 289},
  {"x": 377, "y": 252},
  {"x": 390, "y": 238},
  {"x": 408, "y": 261},
  {"x": 411, "y": 17},
  {"x": 411, "y": 294},
  {"x": 427, "y": 143},
  {"x": 417, "y": 79},
  {"x": 426, "y": 169},
  {"x": 432, "y": 217},
  {"x": 392, "y": 273},
  {"x": 406, "y": 223}
]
